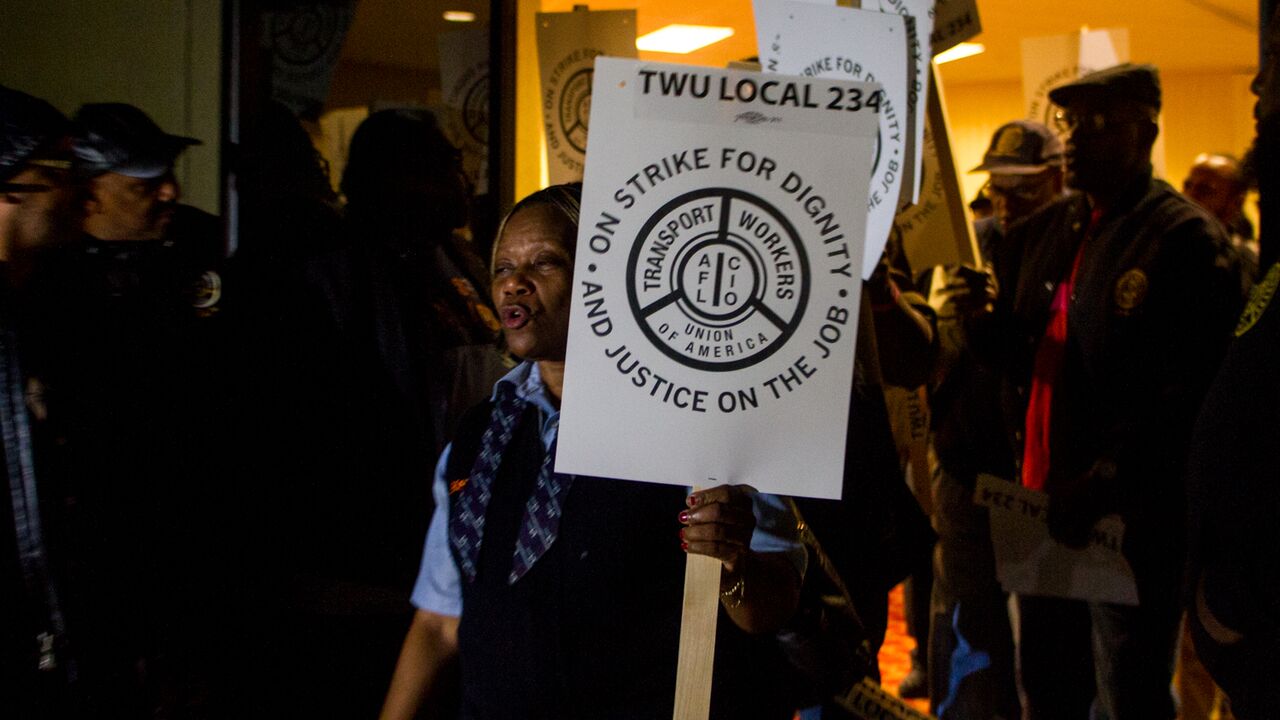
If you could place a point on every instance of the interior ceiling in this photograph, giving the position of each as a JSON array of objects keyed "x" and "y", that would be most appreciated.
[{"x": 1175, "y": 35}]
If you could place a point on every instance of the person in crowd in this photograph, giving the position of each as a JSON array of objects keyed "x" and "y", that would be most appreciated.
[
  {"x": 122, "y": 333},
  {"x": 1232, "y": 605},
  {"x": 34, "y": 199},
  {"x": 981, "y": 205},
  {"x": 1115, "y": 306},
  {"x": 971, "y": 650},
  {"x": 584, "y": 623},
  {"x": 903, "y": 326},
  {"x": 1217, "y": 182},
  {"x": 417, "y": 346}
]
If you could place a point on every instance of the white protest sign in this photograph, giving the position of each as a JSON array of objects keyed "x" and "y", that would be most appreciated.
[
  {"x": 861, "y": 45},
  {"x": 1028, "y": 561},
  {"x": 715, "y": 296},
  {"x": 937, "y": 230},
  {"x": 954, "y": 21},
  {"x": 918, "y": 32},
  {"x": 464, "y": 83},
  {"x": 568, "y": 44},
  {"x": 1048, "y": 62},
  {"x": 304, "y": 43}
]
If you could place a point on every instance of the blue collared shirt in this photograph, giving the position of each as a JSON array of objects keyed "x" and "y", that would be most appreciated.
[{"x": 439, "y": 585}]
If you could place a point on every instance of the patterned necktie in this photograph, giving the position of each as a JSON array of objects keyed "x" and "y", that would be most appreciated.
[
  {"x": 542, "y": 512},
  {"x": 541, "y": 517}
]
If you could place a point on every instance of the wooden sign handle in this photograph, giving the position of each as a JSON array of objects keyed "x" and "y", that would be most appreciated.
[{"x": 697, "y": 637}]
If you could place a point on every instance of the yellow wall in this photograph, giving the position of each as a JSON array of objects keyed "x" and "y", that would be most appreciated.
[{"x": 165, "y": 56}]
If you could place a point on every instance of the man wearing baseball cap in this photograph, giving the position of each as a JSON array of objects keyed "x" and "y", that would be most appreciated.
[
  {"x": 127, "y": 162},
  {"x": 33, "y": 187},
  {"x": 131, "y": 351},
  {"x": 1025, "y": 163},
  {"x": 1119, "y": 307},
  {"x": 33, "y": 208},
  {"x": 970, "y": 610}
]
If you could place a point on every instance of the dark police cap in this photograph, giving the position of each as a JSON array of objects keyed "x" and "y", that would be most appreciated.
[
  {"x": 1137, "y": 84},
  {"x": 120, "y": 138},
  {"x": 31, "y": 130},
  {"x": 1021, "y": 147}
]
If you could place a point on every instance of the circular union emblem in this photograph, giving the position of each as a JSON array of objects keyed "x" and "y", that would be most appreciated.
[
  {"x": 718, "y": 279},
  {"x": 302, "y": 36},
  {"x": 206, "y": 291},
  {"x": 575, "y": 108},
  {"x": 1131, "y": 290},
  {"x": 475, "y": 110}
]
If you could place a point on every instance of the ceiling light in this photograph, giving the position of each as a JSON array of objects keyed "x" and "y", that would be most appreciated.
[
  {"x": 459, "y": 16},
  {"x": 963, "y": 50},
  {"x": 682, "y": 39}
]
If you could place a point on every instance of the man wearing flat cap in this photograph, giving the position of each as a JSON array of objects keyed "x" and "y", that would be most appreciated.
[
  {"x": 970, "y": 610},
  {"x": 128, "y": 343},
  {"x": 1116, "y": 306}
]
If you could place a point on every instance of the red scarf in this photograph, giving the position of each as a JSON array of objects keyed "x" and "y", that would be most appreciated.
[{"x": 1047, "y": 371}]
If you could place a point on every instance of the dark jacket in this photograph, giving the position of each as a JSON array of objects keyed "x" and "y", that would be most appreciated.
[
  {"x": 1151, "y": 313},
  {"x": 591, "y": 631}
]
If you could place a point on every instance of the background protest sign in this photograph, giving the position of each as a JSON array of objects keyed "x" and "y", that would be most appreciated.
[
  {"x": 304, "y": 43},
  {"x": 937, "y": 229},
  {"x": 716, "y": 285},
  {"x": 918, "y": 36},
  {"x": 1048, "y": 62},
  {"x": 861, "y": 45},
  {"x": 1028, "y": 561},
  {"x": 954, "y": 21},
  {"x": 464, "y": 83},
  {"x": 568, "y": 44}
]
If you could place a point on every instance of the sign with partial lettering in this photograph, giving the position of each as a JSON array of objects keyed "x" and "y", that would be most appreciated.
[
  {"x": 937, "y": 230},
  {"x": 568, "y": 44},
  {"x": 716, "y": 288},
  {"x": 1030, "y": 562},
  {"x": 862, "y": 45},
  {"x": 954, "y": 22},
  {"x": 919, "y": 30},
  {"x": 1048, "y": 62},
  {"x": 464, "y": 84}
]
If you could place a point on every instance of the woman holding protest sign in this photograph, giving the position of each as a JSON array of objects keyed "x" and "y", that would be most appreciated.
[{"x": 572, "y": 585}]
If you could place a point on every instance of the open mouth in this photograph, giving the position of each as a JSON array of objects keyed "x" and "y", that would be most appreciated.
[{"x": 514, "y": 317}]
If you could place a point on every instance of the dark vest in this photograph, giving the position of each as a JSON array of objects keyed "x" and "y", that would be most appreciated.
[{"x": 591, "y": 631}]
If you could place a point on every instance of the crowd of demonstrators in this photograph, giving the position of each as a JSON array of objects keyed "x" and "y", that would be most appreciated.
[{"x": 222, "y": 469}]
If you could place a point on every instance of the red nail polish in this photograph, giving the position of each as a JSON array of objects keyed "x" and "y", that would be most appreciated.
[
  {"x": 693, "y": 500},
  {"x": 684, "y": 517},
  {"x": 681, "y": 533},
  {"x": 684, "y": 546}
]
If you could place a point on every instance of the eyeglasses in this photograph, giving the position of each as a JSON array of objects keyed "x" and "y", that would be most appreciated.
[{"x": 1067, "y": 121}]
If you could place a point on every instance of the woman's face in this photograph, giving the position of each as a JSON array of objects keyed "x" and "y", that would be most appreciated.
[{"x": 532, "y": 281}]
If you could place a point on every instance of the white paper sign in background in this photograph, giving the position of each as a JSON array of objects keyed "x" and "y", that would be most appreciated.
[
  {"x": 1048, "y": 62},
  {"x": 1028, "y": 561},
  {"x": 464, "y": 83},
  {"x": 716, "y": 283},
  {"x": 919, "y": 31},
  {"x": 800, "y": 38},
  {"x": 568, "y": 44}
]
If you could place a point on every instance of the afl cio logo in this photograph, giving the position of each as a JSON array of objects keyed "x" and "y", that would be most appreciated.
[
  {"x": 575, "y": 109},
  {"x": 475, "y": 110},
  {"x": 718, "y": 279}
]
